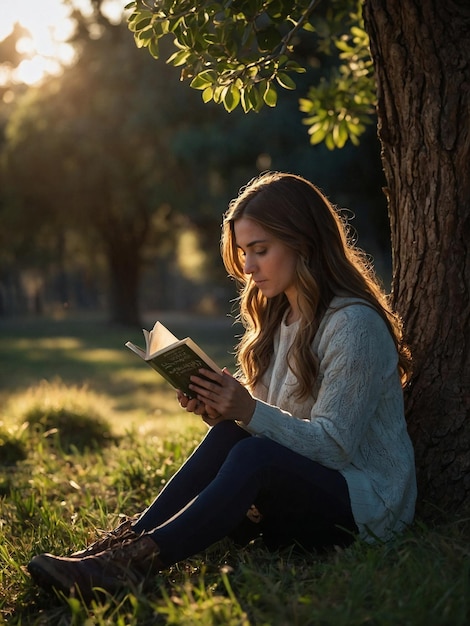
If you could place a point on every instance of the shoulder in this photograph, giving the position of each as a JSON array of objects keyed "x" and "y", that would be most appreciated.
[
  {"x": 347, "y": 316},
  {"x": 354, "y": 327},
  {"x": 352, "y": 310}
]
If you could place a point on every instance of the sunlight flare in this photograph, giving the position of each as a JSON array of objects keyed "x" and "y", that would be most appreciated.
[{"x": 49, "y": 25}]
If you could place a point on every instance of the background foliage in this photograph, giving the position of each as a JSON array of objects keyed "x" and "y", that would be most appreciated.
[
  {"x": 114, "y": 177},
  {"x": 241, "y": 53}
]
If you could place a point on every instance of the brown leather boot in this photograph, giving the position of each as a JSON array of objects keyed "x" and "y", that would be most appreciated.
[
  {"x": 126, "y": 565},
  {"x": 110, "y": 539}
]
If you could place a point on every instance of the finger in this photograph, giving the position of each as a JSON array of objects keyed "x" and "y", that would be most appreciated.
[
  {"x": 212, "y": 421},
  {"x": 211, "y": 375},
  {"x": 182, "y": 399},
  {"x": 211, "y": 402},
  {"x": 214, "y": 384},
  {"x": 210, "y": 413},
  {"x": 194, "y": 406}
]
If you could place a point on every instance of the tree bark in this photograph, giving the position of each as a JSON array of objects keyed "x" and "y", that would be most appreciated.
[{"x": 421, "y": 54}]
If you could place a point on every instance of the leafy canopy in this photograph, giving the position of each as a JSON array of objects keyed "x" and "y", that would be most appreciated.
[{"x": 240, "y": 52}]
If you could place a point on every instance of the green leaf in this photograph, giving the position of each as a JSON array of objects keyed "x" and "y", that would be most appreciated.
[
  {"x": 256, "y": 99},
  {"x": 146, "y": 34},
  {"x": 246, "y": 103},
  {"x": 330, "y": 144},
  {"x": 359, "y": 33},
  {"x": 207, "y": 95},
  {"x": 138, "y": 41},
  {"x": 285, "y": 80},
  {"x": 340, "y": 134},
  {"x": 173, "y": 24},
  {"x": 217, "y": 95},
  {"x": 354, "y": 140},
  {"x": 164, "y": 27},
  {"x": 356, "y": 129},
  {"x": 231, "y": 98},
  {"x": 270, "y": 96},
  {"x": 305, "y": 105},
  {"x": 132, "y": 17},
  {"x": 318, "y": 132},
  {"x": 154, "y": 48},
  {"x": 293, "y": 66},
  {"x": 179, "y": 58},
  {"x": 143, "y": 23},
  {"x": 204, "y": 79}
]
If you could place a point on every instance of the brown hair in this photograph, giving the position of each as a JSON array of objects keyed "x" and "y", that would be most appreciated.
[{"x": 296, "y": 212}]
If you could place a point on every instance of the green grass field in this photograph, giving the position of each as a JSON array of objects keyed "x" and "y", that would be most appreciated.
[
  {"x": 88, "y": 352},
  {"x": 88, "y": 432}
]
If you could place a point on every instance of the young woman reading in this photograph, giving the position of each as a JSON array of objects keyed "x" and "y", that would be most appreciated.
[{"x": 307, "y": 443}]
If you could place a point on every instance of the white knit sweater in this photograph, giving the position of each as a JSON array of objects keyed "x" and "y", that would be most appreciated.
[{"x": 354, "y": 420}]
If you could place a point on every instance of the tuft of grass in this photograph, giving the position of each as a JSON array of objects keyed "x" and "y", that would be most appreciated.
[{"x": 73, "y": 417}]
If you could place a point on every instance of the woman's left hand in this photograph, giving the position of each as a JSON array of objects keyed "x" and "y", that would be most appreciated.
[{"x": 224, "y": 397}]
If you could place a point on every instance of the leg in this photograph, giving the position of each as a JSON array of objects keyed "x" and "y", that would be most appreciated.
[
  {"x": 193, "y": 476},
  {"x": 122, "y": 556},
  {"x": 301, "y": 501}
]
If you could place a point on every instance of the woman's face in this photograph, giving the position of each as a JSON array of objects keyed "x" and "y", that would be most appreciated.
[{"x": 267, "y": 259}]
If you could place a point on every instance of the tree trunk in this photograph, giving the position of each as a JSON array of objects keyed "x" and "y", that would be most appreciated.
[
  {"x": 124, "y": 287},
  {"x": 421, "y": 53}
]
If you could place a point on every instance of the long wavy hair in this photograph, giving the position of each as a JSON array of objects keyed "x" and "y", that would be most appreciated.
[{"x": 294, "y": 211}]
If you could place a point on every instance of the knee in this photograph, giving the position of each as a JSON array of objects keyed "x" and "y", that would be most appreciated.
[
  {"x": 254, "y": 450},
  {"x": 225, "y": 426},
  {"x": 226, "y": 431},
  {"x": 252, "y": 460}
]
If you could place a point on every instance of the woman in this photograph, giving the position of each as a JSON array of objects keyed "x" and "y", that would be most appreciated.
[{"x": 307, "y": 442}]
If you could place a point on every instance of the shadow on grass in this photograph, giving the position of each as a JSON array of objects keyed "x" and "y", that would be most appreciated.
[{"x": 89, "y": 349}]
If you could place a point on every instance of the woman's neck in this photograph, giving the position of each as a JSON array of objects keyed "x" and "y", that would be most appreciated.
[
  {"x": 292, "y": 316},
  {"x": 293, "y": 312}
]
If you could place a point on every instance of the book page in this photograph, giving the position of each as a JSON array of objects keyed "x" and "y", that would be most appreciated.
[{"x": 159, "y": 337}]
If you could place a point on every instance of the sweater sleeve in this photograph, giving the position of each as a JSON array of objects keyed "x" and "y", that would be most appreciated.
[{"x": 358, "y": 360}]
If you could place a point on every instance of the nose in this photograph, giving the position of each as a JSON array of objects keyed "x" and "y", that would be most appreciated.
[{"x": 249, "y": 265}]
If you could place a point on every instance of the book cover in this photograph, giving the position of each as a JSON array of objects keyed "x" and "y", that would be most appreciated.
[{"x": 175, "y": 360}]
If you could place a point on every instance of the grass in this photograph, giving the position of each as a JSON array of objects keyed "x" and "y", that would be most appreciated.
[
  {"x": 62, "y": 382},
  {"x": 89, "y": 353}
]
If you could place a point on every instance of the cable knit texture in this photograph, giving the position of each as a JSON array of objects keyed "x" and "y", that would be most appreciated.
[{"x": 354, "y": 419}]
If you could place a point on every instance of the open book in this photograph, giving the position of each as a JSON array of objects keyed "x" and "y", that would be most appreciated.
[{"x": 175, "y": 360}]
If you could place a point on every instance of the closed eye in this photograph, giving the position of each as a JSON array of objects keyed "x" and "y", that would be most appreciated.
[{"x": 261, "y": 252}]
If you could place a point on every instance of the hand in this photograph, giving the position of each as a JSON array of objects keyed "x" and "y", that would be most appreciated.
[
  {"x": 192, "y": 405},
  {"x": 223, "y": 397}
]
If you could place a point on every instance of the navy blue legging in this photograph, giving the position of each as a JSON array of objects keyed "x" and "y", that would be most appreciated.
[{"x": 301, "y": 501}]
